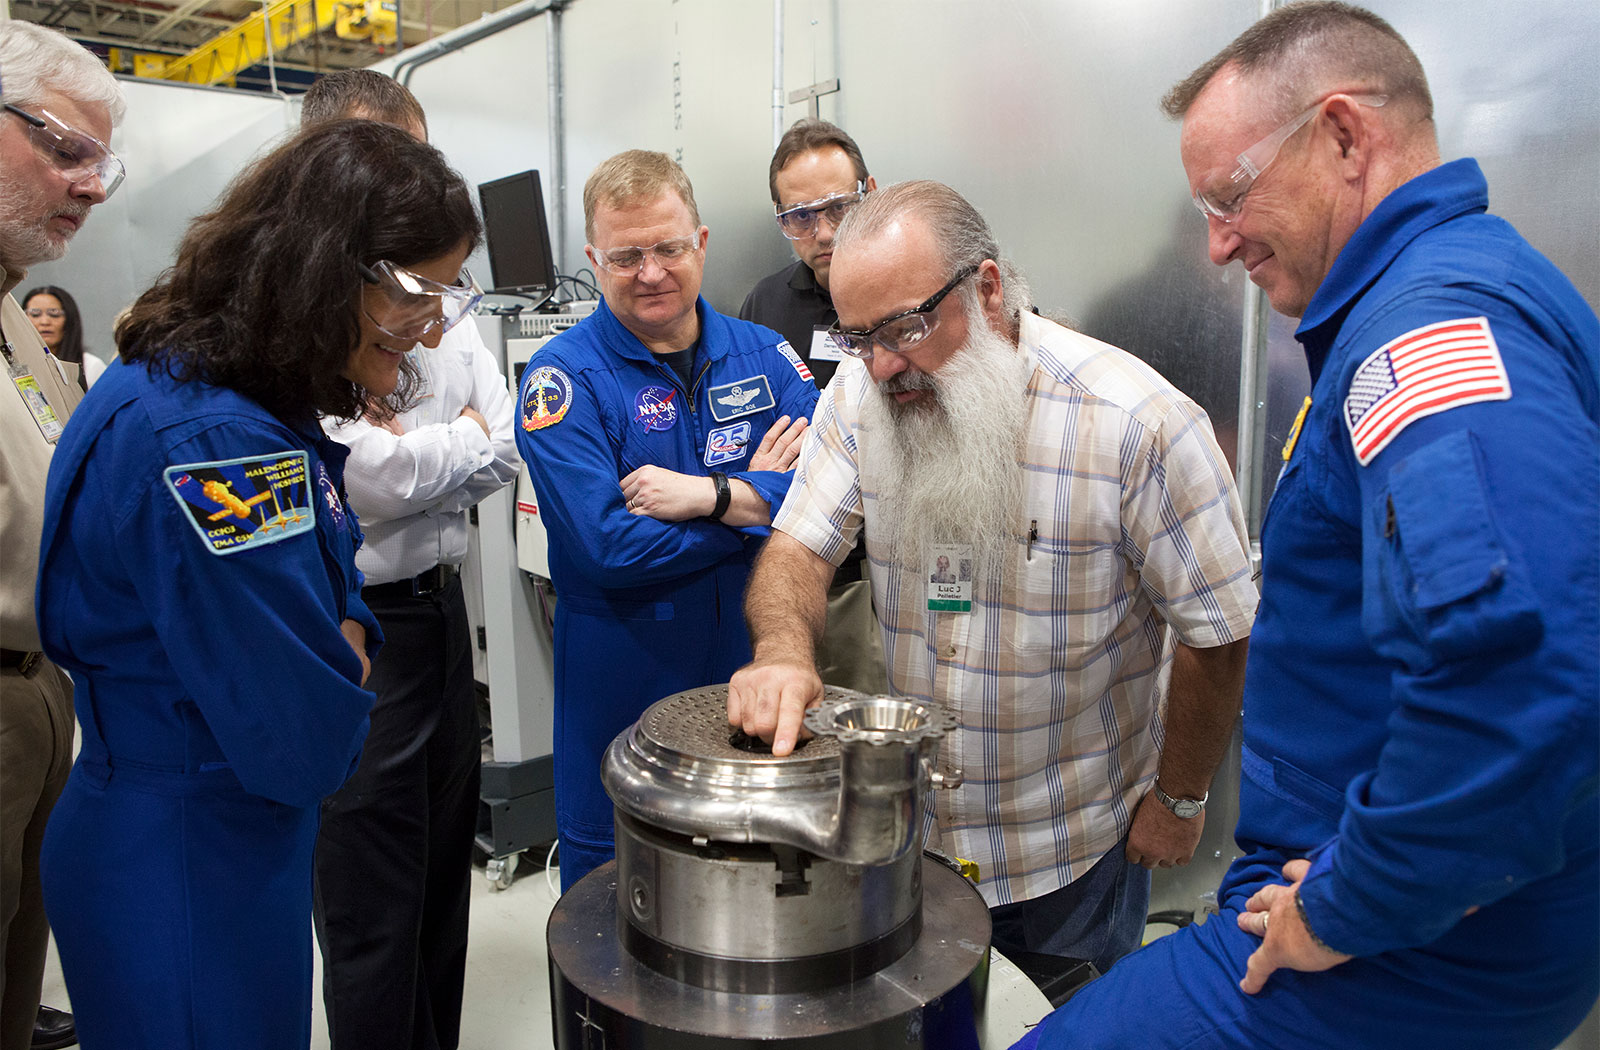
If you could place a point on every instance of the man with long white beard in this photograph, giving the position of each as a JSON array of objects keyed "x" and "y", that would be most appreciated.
[{"x": 1093, "y": 641}]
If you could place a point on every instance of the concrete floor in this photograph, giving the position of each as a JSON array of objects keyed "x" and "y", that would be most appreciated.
[
  {"x": 507, "y": 999},
  {"x": 508, "y": 991}
]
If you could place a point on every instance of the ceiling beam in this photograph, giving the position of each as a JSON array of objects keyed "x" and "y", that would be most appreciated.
[{"x": 172, "y": 18}]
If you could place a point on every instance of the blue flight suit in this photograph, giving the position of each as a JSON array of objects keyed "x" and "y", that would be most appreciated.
[
  {"x": 1420, "y": 703},
  {"x": 219, "y": 703},
  {"x": 644, "y": 608}
]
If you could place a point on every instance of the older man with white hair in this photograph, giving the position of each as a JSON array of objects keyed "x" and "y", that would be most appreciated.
[
  {"x": 59, "y": 106},
  {"x": 1058, "y": 555}
]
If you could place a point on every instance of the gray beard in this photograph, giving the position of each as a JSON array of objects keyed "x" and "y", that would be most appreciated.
[
  {"x": 948, "y": 466},
  {"x": 23, "y": 244}
]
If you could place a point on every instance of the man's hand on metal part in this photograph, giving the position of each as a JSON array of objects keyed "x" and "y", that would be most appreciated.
[
  {"x": 769, "y": 698},
  {"x": 779, "y": 446},
  {"x": 1273, "y": 915},
  {"x": 666, "y": 495},
  {"x": 1158, "y": 838}
]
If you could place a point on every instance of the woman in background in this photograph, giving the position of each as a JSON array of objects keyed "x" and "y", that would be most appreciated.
[
  {"x": 197, "y": 579},
  {"x": 55, "y": 314}
]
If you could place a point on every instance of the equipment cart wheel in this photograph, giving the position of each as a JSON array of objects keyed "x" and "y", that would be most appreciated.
[{"x": 500, "y": 871}]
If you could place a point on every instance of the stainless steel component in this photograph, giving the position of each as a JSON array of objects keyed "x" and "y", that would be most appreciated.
[
  {"x": 929, "y": 999},
  {"x": 741, "y": 871},
  {"x": 757, "y": 898},
  {"x": 854, "y": 793},
  {"x": 760, "y": 918}
]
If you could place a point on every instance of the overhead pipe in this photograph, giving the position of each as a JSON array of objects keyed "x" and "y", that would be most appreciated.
[
  {"x": 554, "y": 91},
  {"x": 459, "y": 38},
  {"x": 777, "y": 72},
  {"x": 1250, "y": 456}
]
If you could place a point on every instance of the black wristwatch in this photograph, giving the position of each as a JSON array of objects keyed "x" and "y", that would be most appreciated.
[
  {"x": 724, "y": 495},
  {"x": 1182, "y": 808}
]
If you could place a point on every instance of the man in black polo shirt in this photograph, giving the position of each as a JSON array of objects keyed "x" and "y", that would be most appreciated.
[{"x": 816, "y": 175}]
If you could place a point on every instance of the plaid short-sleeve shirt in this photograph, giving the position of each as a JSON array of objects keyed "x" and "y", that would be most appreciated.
[{"x": 1059, "y": 671}]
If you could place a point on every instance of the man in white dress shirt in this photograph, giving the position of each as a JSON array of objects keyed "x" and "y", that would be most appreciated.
[{"x": 394, "y": 857}]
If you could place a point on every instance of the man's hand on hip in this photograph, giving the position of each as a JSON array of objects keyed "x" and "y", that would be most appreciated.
[{"x": 1159, "y": 838}]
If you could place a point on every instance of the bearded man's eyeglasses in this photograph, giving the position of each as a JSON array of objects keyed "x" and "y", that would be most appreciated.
[{"x": 904, "y": 331}]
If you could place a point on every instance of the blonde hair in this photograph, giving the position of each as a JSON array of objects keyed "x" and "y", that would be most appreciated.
[{"x": 636, "y": 175}]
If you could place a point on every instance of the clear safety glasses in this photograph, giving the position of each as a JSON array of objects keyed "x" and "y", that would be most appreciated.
[
  {"x": 73, "y": 153},
  {"x": 413, "y": 305},
  {"x": 629, "y": 259},
  {"x": 1224, "y": 201},
  {"x": 902, "y": 332},
  {"x": 54, "y": 313},
  {"x": 799, "y": 221}
]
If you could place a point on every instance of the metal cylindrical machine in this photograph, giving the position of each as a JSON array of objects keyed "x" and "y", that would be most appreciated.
[{"x": 759, "y": 900}]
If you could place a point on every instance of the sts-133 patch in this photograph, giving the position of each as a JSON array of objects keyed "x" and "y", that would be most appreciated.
[
  {"x": 250, "y": 502},
  {"x": 546, "y": 396}
]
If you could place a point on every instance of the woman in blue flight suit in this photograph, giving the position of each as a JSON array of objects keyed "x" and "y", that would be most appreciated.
[{"x": 198, "y": 581}]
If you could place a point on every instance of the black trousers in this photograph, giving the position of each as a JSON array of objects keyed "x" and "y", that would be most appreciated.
[{"x": 394, "y": 855}]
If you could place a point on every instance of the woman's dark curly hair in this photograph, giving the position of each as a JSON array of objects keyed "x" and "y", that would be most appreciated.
[{"x": 265, "y": 292}]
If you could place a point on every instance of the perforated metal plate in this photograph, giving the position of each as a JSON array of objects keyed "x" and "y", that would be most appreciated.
[{"x": 694, "y": 724}]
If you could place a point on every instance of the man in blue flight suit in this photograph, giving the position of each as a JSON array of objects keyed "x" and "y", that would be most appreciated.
[
  {"x": 1418, "y": 809},
  {"x": 657, "y": 433}
]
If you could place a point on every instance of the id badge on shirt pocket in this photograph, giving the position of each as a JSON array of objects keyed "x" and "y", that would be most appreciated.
[{"x": 44, "y": 417}]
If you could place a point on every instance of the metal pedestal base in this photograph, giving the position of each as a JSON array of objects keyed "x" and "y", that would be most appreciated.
[{"x": 931, "y": 998}]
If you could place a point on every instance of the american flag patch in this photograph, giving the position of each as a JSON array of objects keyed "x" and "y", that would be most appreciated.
[
  {"x": 794, "y": 359},
  {"x": 1427, "y": 370}
]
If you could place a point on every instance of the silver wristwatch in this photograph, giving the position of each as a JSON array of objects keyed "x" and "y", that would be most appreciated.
[{"x": 1182, "y": 808}]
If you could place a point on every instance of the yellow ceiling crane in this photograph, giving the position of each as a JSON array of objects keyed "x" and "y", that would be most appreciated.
[{"x": 244, "y": 45}]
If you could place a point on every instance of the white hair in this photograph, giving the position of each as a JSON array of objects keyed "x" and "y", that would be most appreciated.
[{"x": 36, "y": 62}]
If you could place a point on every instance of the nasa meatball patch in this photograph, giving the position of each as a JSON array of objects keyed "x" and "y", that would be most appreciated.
[
  {"x": 235, "y": 504},
  {"x": 656, "y": 408}
]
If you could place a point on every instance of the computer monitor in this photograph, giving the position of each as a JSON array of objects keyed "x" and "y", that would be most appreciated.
[{"x": 520, "y": 259}]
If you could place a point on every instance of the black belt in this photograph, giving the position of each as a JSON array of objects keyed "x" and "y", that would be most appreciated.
[
  {"x": 24, "y": 662},
  {"x": 851, "y": 571},
  {"x": 421, "y": 585},
  {"x": 854, "y": 567}
]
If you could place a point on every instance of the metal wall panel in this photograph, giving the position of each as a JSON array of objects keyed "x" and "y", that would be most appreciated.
[
  {"x": 488, "y": 110},
  {"x": 691, "y": 78},
  {"x": 1044, "y": 114},
  {"x": 1517, "y": 87}
]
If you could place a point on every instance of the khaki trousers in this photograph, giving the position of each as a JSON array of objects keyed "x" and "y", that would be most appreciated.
[
  {"x": 851, "y": 654},
  {"x": 35, "y": 756}
]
